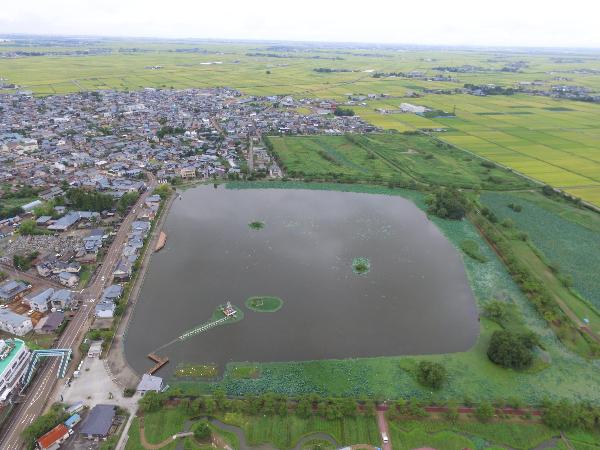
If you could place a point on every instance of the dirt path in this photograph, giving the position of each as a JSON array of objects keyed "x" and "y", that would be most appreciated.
[{"x": 383, "y": 427}]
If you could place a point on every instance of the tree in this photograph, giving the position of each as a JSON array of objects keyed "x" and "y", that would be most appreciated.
[
  {"x": 452, "y": 413},
  {"x": 484, "y": 412},
  {"x": 339, "y": 111},
  {"x": 511, "y": 349},
  {"x": 28, "y": 228},
  {"x": 304, "y": 407},
  {"x": 448, "y": 203},
  {"x": 209, "y": 405},
  {"x": 151, "y": 402},
  {"x": 431, "y": 374},
  {"x": 43, "y": 424},
  {"x": 201, "y": 430}
]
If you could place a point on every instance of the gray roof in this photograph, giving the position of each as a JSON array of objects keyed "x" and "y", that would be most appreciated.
[
  {"x": 150, "y": 383},
  {"x": 63, "y": 295},
  {"x": 41, "y": 298},
  {"x": 98, "y": 421},
  {"x": 11, "y": 288},
  {"x": 53, "y": 321},
  {"x": 12, "y": 318},
  {"x": 112, "y": 292}
]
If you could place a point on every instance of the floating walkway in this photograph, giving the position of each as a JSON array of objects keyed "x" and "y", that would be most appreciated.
[
  {"x": 230, "y": 314},
  {"x": 160, "y": 361}
]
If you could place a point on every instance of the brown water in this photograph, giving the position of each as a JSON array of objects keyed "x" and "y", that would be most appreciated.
[{"x": 415, "y": 300}]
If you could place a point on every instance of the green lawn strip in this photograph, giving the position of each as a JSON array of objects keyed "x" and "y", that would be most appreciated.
[
  {"x": 163, "y": 424},
  {"x": 583, "y": 439},
  {"x": 134, "y": 442},
  {"x": 515, "y": 435},
  {"x": 86, "y": 273},
  {"x": 285, "y": 432}
]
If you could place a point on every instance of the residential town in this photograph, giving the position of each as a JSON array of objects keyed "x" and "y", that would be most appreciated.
[{"x": 72, "y": 169}]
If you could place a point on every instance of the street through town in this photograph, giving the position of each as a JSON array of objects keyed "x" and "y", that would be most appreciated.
[{"x": 37, "y": 394}]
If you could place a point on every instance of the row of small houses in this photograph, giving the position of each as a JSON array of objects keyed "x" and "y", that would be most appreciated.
[{"x": 135, "y": 242}]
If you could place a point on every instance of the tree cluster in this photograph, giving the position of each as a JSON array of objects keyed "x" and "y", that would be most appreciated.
[
  {"x": 448, "y": 203},
  {"x": 89, "y": 200}
]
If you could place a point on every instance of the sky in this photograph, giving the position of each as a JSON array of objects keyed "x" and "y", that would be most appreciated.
[{"x": 533, "y": 23}]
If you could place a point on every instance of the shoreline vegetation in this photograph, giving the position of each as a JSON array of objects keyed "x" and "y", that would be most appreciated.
[{"x": 471, "y": 375}]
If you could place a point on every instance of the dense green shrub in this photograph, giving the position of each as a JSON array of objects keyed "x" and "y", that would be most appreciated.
[
  {"x": 510, "y": 349},
  {"x": 431, "y": 374}
]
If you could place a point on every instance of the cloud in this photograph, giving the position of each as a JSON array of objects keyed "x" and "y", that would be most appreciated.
[{"x": 510, "y": 22}]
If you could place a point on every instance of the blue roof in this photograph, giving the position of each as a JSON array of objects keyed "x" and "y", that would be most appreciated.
[{"x": 72, "y": 421}]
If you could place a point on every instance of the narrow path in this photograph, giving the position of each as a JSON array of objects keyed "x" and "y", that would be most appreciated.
[{"x": 383, "y": 426}]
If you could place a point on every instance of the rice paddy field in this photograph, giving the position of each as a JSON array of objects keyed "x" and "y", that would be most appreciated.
[{"x": 553, "y": 141}]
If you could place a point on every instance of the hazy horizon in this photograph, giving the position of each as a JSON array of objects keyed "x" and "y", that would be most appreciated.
[{"x": 464, "y": 23}]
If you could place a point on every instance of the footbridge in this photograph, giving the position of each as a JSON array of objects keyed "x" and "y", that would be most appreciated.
[{"x": 36, "y": 355}]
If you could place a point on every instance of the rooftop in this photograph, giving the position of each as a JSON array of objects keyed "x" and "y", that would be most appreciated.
[{"x": 18, "y": 343}]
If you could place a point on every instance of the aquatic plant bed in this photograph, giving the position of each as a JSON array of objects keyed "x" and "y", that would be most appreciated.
[
  {"x": 256, "y": 225},
  {"x": 196, "y": 371},
  {"x": 243, "y": 371},
  {"x": 264, "y": 304},
  {"x": 361, "y": 266}
]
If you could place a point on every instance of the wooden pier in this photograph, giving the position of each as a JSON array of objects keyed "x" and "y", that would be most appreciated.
[{"x": 160, "y": 361}]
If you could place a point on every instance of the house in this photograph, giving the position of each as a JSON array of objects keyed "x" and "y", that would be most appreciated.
[
  {"x": 12, "y": 290},
  {"x": 14, "y": 323},
  {"x": 68, "y": 279},
  {"x": 95, "y": 349},
  {"x": 150, "y": 383},
  {"x": 52, "y": 193},
  {"x": 123, "y": 270},
  {"x": 112, "y": 293},
  {"x": 54, "y": 438},
  {"x": 53, "y": 321},
  {"x": 105, "y": 310},
  {"x": 187, "y": 172},
  {"x": 40, "y": 301},
  {"x": 98, "y": 422},
  {"x": 61, "y": 299}
]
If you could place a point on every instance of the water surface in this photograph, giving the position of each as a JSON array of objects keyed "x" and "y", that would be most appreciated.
[{"x": 415, "y": 300}]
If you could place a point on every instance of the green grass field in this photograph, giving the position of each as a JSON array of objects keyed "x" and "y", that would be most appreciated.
[
  {"x": 389, "y": 158},
  {"x": 553, "y": 141}
]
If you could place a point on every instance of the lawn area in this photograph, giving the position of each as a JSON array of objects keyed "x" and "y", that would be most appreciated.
[
  {"x": 285, "y": 432},
  {"x": 87, "y": 270},
  {"x": 467, "y": 434},
  {"x": 390, "y": 157}
]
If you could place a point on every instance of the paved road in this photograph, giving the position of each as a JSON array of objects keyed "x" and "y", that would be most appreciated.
[{"x": 40, "y": 390}]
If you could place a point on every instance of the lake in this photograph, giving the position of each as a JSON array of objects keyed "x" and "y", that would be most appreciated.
[{"x": 414, "y": 300}]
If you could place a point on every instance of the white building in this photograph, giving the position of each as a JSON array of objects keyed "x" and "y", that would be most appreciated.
[
  {"x": 410, "y": 108},
  {"x": 14, "y": 357},
  {"x": 14, "y": 323}
]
